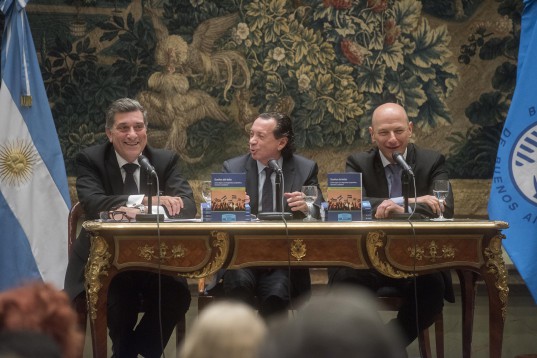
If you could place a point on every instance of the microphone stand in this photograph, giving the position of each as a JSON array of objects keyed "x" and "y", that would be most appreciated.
[
  {"x": 279, "y": 214},
  {"x": 406, "y": 189},
  {"x": 278, "y": 184},
  {"x": 150, "y": 217},
  {"x": 150, "y": 191}
]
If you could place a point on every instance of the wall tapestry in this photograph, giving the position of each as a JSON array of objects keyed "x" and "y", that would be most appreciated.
[{"x": 204, "y": 69}]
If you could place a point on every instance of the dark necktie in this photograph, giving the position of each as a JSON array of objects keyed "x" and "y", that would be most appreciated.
[
  {"x": 266, "y": 201},
  {"x": 129, "y": 186},
  {"x": 396, "y": 189}
]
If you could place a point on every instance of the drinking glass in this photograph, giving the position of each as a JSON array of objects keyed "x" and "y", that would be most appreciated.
[
  {"x": 310, "y": 195},
  {"x": 441, "y": 190},
  {"x": 206, "y": 191}
]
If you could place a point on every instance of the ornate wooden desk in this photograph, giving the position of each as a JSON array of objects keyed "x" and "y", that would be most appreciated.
[{"x": 196, "y": 250}]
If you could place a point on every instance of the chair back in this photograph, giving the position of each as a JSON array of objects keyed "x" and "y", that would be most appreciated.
[{"x": 75, "y": 215}]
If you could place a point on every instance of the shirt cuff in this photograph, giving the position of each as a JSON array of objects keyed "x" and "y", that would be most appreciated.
[
  {"x": 134, "y": 200},
  {"x": 401, "y": 202},
  {"x": 398, "y": 200}
]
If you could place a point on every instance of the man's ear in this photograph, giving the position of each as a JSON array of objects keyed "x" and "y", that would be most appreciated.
[
  {"x": 108, "y": 134},
  {"x": 371, "y": 134},
  {"x": 282, "y": 143}
]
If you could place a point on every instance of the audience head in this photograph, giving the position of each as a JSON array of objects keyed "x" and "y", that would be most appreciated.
[
  {"x": 341, "y": 323},
  {"x": 41, "y": 309},
  {"x": 28, "y": 344},
  {"x": 126, "y": 128},
  {"x": 390, "y": 129},
  {"x": 225, "y": 330},
  {"x": 271, "y": 137}
]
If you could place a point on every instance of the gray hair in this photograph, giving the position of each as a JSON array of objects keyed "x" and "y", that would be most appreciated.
[{"x": 123, "y": 105}]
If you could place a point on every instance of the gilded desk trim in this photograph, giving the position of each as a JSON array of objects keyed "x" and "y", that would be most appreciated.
[
  {"x": 98, "y": 265},
  {"x": 496, "y": 266}
]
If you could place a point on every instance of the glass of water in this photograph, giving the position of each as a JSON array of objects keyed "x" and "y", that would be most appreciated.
[
  {"x": 441, "y": 190},
  {"x": 310, "y": 195}
]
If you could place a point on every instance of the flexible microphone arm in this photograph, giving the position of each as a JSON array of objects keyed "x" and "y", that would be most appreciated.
[
  {"x": 407, "y": 174},
  {"x": 273, "y": 164},
  {"x": 144, "y": 162},
  {"x": 398, "y": 157}
]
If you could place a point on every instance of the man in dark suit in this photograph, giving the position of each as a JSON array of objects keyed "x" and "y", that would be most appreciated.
[
  {"x": 271, "y": 137},
  {"x": 391, "y": 132},
  {"x": 105, "y": 182}
]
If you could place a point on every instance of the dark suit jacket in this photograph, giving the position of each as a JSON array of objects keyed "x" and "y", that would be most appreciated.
[
  {"x": 427, "y": 166},
  {"x": 297, "y": 171},
  {"x": 100, "y": 188}
]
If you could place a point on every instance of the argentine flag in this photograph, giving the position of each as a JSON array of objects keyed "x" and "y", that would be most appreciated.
[
  {"x": 513, "y": 196},
  {"x": 34, "y": 197}
]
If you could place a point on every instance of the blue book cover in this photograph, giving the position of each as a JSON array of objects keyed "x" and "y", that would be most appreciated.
[
  {"x": 344, "y": 197},
  {"x": 228, "y": 197}
]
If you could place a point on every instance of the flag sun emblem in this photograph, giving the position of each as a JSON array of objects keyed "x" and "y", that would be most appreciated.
[
  {"x": 523, "y": 164},
  {"x": 17, "y": 160}
]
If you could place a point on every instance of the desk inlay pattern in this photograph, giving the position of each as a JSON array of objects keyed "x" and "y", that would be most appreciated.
[{"x": 313, "y": 250}]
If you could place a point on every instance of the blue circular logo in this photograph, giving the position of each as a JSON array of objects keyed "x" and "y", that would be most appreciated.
[{"x": 523, "y": 164}]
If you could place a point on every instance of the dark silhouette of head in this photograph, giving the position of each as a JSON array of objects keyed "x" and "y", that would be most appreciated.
[{"x": 341, "y": 323}]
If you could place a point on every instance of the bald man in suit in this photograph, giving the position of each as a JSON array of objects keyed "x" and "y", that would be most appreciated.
[{"x": 391, "y": 132}]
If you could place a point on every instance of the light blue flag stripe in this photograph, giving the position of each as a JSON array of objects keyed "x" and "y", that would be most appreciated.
[
  {"x": 34, "y": 196},
  {"x": 17, "y": 261},
  {"x": 513, "y": 196}
]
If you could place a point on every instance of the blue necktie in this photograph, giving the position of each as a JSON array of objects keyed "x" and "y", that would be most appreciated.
[
  {"x": 266, "y": 201},
  {"x": 396, "y": 188}
]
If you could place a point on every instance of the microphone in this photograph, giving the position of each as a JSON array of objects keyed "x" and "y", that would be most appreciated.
[
  {"x": 398, "y": 157},
  {"x": 144, "y": 162},
  {"x": 273, "y": 164}
]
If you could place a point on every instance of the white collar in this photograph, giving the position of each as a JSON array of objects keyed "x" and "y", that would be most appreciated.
[{"x": 121, "y": 161}]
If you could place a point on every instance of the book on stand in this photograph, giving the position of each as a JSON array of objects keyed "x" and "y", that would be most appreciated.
[
  {"x": 228, "y": 198},
  {"x": 344, "y": 197}
]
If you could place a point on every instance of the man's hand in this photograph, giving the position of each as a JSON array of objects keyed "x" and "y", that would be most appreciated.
[
  {"x": 173, "y": 204},
  {"x": 430, "y": 201},
  {"x": 296, "y": 202},
  {"x": 130, "y": 212},
  {"x": 386, "y": 208}
]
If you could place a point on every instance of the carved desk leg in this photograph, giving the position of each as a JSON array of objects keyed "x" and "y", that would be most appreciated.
[
  {"x": 97, "y": 279},
  {"x": 495, "y": 275}
]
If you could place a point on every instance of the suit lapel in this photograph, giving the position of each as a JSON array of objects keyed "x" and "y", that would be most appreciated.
[
  {"x": 114, "y": 172},
  {"x": 289, "y": 176},
  {"x": 380, "y": 173},
  {"x": 252, "y": 179},
  {"x": 411, "y": 155},
  {"x": 143, "y": 175}
]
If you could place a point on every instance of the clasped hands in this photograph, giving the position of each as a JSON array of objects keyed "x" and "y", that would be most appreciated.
[{"x": 388, "y": 207}]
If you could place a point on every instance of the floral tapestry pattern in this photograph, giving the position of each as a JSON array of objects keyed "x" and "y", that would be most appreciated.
[{"x": 204, "y": 70}]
